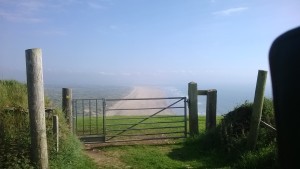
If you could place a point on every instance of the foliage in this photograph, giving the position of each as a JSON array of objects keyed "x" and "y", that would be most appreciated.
[
  {"x": 230, "y": 138},
  {"x": 264, "y": 158},
  {"x": 70, "y": 153},
  {"x": 14, "y": 139},
  {"x": 14, "y": 125},
  {"x": 15, "y": 133},
  {"x": 235, "y": 126},
  {"x": 13, "y": 94}
]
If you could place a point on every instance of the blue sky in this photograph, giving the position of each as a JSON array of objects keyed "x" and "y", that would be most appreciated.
[{"x": 133, "y": 42}]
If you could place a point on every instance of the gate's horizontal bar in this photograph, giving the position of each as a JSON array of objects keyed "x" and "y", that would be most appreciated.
[
  {"x": 146, "y": 123},
  {"x": 160, "y": 138},
  {"x": 149, "y": 134},
  {"x": 158, "y": 98},
  {"x": 148, "y": 108},
  {"x": 86, "y": 99},
  {"x": 134, "y": 118},
  {"x": 152, "y": 128}
]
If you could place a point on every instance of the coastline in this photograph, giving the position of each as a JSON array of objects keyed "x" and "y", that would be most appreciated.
[{"x": 140, "y": 92}]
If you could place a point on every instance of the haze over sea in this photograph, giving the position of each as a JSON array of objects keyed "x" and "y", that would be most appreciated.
[{"x": 228, "y": 97}]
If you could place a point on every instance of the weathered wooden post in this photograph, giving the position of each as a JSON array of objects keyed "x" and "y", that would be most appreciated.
[
  {"x": 193, "y": 108},
  {"x": 36, "y": 104},
  {"x": 56, "y": 131},
  {"x": 67, "y": 106},
  {"x": 257, "y": 108},
  {"x": 211, "y": 109}
]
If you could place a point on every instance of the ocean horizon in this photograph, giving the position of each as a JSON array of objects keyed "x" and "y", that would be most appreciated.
[{"x": 228, "y": 97}]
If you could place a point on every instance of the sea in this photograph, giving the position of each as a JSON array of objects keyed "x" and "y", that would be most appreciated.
[{"x": 228, "y": 96}]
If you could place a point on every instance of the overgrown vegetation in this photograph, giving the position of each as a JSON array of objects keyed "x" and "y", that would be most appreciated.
[
  {"x": 229, "y": 139},
  {"x": 15, "y": 133}
]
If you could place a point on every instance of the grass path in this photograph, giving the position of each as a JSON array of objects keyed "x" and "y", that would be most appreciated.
[
  {"x": 154, "y": 154},
  {"x": 164, "y": 154}
]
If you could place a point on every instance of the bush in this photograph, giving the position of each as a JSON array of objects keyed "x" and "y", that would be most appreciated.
[
  {"x": 14, "y": 125},
  {"x": 235, "y": 126}
]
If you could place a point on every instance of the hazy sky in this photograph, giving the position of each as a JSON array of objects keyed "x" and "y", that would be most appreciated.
[{"x": 143, "y": 41}]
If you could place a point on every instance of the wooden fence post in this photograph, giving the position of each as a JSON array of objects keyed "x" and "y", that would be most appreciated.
[
  {"x": 56, "y": 131},
  {"x": 211, "y": 109},
  {"x": 67, "y": 106},
  {"x": 36, "y": 105},
  {"x": 257, "y": 108},
  {"x": 193, "y": 108}
]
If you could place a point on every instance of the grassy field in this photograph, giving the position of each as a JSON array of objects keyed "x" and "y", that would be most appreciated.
[
  {"x": 169, "y": 153},
  {"x": 132, "y": 127},
  {"x": 163, "y": 156},
  {"x": 135, "y": 127}
]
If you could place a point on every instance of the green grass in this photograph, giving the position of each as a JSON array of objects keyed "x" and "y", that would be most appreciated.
[
  {"x": 165, "y": 156},
  {"x": 178, "y": 153},
  {"x": 70, "y": 156},
  {"x": 124, "y": 127}
]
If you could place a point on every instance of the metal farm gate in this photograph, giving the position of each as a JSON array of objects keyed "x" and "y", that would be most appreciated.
[{"x": 115, "y": 120}]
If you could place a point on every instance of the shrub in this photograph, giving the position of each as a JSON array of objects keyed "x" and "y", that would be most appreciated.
[
  {"x": 235, "y": 126},
  {"x": 14, "y": 125}
]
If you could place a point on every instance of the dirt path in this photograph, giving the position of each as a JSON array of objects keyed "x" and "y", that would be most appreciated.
[
  {"x": 111, "y": 159},
  {"x": 104, "y": 159}
]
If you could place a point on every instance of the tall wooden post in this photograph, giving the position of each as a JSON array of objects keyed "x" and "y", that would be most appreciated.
[
  {"x": 193, "y": 108},
  {"x": 67, "y": 105},
  {"x": 36, "y": 104},
  {"x": 211, "y": 109},
  {"x": 257, "y": 108}
]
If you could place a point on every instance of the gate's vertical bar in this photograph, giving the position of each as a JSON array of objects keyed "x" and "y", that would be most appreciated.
[
  {"x": 97, "y": 128},
  {"x": 185, "y": 119},
  {"x": 83, "y": 117},
  {"x": 73, "y": 115},
  {"x": 90, "y": 113},
  {"x": 76, "y": 117},
  {"x": 104, "y": 117}
]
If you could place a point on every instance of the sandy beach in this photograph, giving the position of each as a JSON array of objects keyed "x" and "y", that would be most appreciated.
[{"x": 140, "y": 92}]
